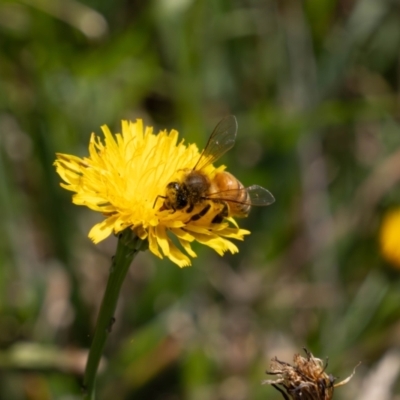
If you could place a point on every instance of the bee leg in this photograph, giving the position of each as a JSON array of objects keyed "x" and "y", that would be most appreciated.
[
  {"x": 190, "y": 208},
  {"x": 202, "y": 213},
  {"x": 155, "y": 201},
  {"x": 221, "y": 215}
]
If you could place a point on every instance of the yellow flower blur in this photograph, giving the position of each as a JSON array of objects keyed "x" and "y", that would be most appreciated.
[
  {"x": 390, "y": 237},
  {"x": 122, "y": 177}
]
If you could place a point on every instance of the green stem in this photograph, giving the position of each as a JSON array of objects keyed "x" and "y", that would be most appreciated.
[{"x": 128, "y": 246}]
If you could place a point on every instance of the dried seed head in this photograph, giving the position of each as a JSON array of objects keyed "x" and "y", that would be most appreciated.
[{"x": 306, "y": 379}]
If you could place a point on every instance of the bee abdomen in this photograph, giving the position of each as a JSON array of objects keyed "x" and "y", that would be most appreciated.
[{"x": 234, "y": 193}]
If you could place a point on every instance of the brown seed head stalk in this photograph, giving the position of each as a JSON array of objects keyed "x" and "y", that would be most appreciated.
[{"x": 306, "y": 379}]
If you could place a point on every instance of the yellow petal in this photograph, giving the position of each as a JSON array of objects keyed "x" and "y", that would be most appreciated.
[
  {"x": 102, "y": 230},
  {"x": 176, "y": 256},
  {"x": 186, "y": 245},
  {"x": 219, "y": 244},
  {"x": 182, "y": 234},
  {"x": 162, "y": 239},
  {"x": 153, "y": 243}
]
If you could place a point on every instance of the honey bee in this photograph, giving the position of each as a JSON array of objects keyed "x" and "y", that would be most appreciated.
[{"x": 196, "y": 188}]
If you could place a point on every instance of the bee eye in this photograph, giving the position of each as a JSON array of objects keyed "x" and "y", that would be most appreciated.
[{"x": 173, "y": 185}]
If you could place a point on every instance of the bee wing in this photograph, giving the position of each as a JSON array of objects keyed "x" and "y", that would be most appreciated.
[
  {"x": 257, "y": 196},
  {"x": 260, "y": 196},
  {"x": 221, "y": 140}
]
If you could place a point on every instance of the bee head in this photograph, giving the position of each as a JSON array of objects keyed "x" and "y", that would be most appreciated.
[{"x": 176, "y": 196}]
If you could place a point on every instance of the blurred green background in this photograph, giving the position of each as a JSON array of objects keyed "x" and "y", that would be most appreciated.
[{"x": 315, "y": 87}]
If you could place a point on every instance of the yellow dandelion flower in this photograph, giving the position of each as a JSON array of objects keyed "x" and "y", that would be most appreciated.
[
  {"x": 125, "y": 178},
  {"x": 390, "y": 237}
]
